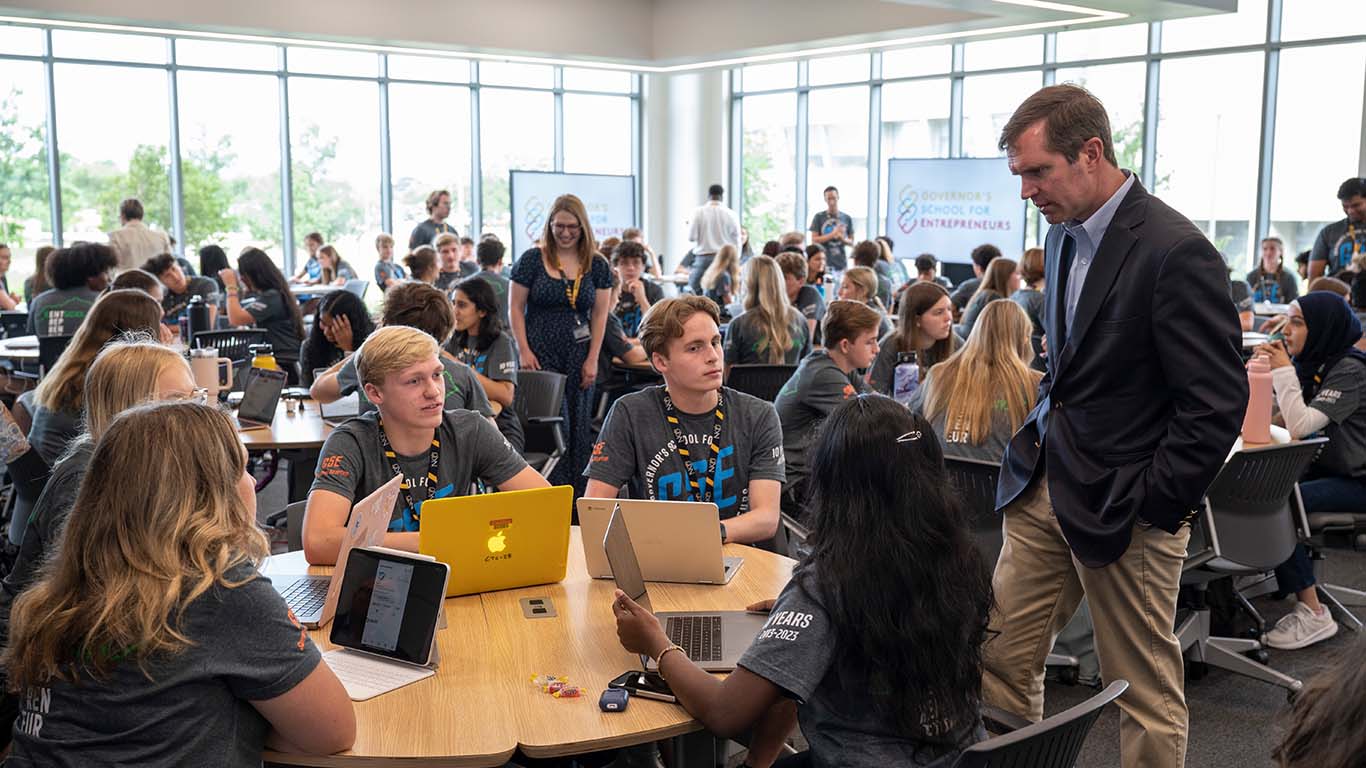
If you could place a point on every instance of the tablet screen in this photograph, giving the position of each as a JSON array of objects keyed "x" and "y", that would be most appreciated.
[
  {"x": 389, "y": 605},
  {"x": 262, "y": 395}
]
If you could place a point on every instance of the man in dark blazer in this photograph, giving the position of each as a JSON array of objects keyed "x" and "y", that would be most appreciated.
[{"x": 1144, "y": 396}]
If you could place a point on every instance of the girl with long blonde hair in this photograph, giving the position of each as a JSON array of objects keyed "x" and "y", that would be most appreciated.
[
  {"x": 151, "y": 637},
  {"x": 981, "y": 395},
  {"x": 770, "y": 330},
  {"x": 722, "y": 276},
  {"x": 1000, "y": 280}
]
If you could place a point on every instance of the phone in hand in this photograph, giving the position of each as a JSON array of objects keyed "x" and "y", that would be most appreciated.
[{"x": 646, "y": 685}]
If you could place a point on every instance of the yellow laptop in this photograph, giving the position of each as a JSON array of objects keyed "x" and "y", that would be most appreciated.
[{"x": 499, "y": 540}]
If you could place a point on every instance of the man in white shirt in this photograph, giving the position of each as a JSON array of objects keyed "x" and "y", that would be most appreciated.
[
  {"x": 134, "y": 243},
  {"x": 713, "y": 225}
]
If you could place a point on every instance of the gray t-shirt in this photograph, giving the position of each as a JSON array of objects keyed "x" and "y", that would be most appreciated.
[
  {"x": 387, "y": 269},
  {"x": 1336, "y": 245},
  {"x": 352, "y": 463},
  {"x": 823, "y": 224},
  {"x": 636, "y": 448},
  {"x": 426, "y": 232},
  {"x": 463, "y": 389},
  {"x": 52, "y": 431},
  {"x": 804, "y": 402},
  {"x": 173, "y": 304},
  {"x": 838, "y": 708},
  {"x": 500, "y": 286},
  {"x": 746, "y": 343},
  {"x": 196, "y": 707},
  {"x": 1342, "y": 398},
  {"x": 269, "y": 311},
  {"x": 1033, "y": 302},
  {"x": 956, "y": 440},
  {"x": 964, "y": 292},
  {"x": 812, "y": 307},
  {"x": 59, "y": 312},
  {"x": 498, "y": 362},
  {"x": 1275, "y": 288}
]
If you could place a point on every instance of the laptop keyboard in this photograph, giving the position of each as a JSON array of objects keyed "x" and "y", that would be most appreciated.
[
  {"x": 698, "y": 636},
  {"x": 306, "y": 596}
]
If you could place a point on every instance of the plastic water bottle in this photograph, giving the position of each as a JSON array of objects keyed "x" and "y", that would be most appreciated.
[
  {"x": 905, "y": 378},
  {"x": 1257, "y": 420}
]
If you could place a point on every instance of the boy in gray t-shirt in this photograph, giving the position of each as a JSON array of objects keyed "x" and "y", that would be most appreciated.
[{"x": 462, "y": 388}]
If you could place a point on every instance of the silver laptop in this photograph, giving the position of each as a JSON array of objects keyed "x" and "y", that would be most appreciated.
[
  {"x": 714, "y": 640},
  {"x": 341, "y": 411},
  {"x": 677, "y": 541},
  {"x": 305, "y": 596}
]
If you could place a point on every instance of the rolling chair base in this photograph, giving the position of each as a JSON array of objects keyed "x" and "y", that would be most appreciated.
[
  {"x": 1227, "y": 652},
  {"x": 1333, "y": 596}
]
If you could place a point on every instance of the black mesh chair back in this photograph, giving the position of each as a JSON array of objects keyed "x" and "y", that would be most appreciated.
[
  {"x": 762, "y": 381},
  {"x": 539, "y": 397},
  {"x": 234, "y": 344},
  {"x": 14, "y": 324},
  {"x": 1053, "y": 743},
  {"x": 49, "y": 349},
  {"x": 1251, "y": 519},
  {"x": 976, "y": 484}
]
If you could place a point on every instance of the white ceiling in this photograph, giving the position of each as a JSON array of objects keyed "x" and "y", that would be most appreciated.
[{"x": 644, "y": 34}]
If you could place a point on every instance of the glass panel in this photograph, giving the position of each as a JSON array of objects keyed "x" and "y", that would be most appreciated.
[
  {"x": 1216, "y": 30},
  {"x": 75, "y": 44},
  {"x": 1004, "y": 52},
  {"x": 1103, "y": 42},
  {"x": 333, "y": 61},
  {"x": 838, "y": 69},
  {"x": 1308, "y": 19},
  {"x": 21, "y": 41},
  {"x": 105, "y": 160},
  {"x": 915, "y": 123},
  {"x": 1302, "y": 183},
  {"x": 1119, "y": 87},
  {"x": 516, "y": 131},
  {"x": 429, "y": 149},
  {"x": 768, "y": 77},
  {"x": 597, "y": 134},
  {"x": 513, "y": 73},
  {"x": 597, "y": 80},
  {"x": 1207, "y": 146},
  {"x": 988, "y": 102},
  {"x": 909, "y": 62},
  {"x": 215, "y": 53},
  {"x": 769, "y": 165},
  {"x": 335, "y": 164},
  {"x": 25, "y": 219},
  {"x": 433, "y": 68},
  {"x": 230, "y": 161},
  {"x": 837, "y": 153}
]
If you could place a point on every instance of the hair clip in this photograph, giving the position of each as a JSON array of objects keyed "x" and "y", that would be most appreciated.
[{"x": 909, "y": 436}]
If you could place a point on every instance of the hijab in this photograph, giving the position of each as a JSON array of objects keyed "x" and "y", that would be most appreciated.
[{"x": 1333, "y": 329}]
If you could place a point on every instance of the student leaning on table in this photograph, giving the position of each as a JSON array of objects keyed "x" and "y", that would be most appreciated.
[
  {"x": 440, "y": 453},
  {"x": 153, "y": 640},
  {"x": 877, "y": 638},
  {"x": 691, "y": 438}
]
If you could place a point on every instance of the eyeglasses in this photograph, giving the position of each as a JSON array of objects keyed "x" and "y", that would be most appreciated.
[
  {"x": 198, "y": 395},
  {"x": 565, "y": 227}
]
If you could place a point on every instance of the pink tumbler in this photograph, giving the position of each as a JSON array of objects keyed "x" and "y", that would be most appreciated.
[{"x": 1257, "y": 420}]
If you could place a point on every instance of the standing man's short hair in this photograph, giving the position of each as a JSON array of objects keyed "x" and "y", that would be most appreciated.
[
  {"x": 131, "y": 209},
  {"x": 434, "y": 199},
  {"x": 715, "y": 191},
  {"x": 489, "y": 253},
  {"x": 664, "y": 321},
  {"x": 830, "y": 188},
  {"x": 983, "y": 254},
  {"x": 1071, "y": 116},
  {"x": 1351, "y": 188}
]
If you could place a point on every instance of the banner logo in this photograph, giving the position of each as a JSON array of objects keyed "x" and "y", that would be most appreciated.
[
  {"x": 907, "y": 209},
  {"x": 535, "y": 218}
]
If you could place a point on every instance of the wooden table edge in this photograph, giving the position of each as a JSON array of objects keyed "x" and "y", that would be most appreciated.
[
  {"x": 619, "y": 742},
  {"x": 343, "y": 760}
]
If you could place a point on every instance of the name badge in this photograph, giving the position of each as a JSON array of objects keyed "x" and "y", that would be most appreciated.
[{"x": 582, "y": 331}]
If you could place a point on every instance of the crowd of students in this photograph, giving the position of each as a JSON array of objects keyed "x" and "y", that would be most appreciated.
[{"x": 112, "y": 615}]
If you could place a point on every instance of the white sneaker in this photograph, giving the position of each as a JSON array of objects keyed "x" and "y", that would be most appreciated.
[{"x": 1301, "y": 628}]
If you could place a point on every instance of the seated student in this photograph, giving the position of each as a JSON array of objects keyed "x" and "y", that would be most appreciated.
[
  {"x": 1030, "y": 297},
  {"x": 824, "y": 379},
  {"x": 927, "y": 271},
  {"x": 720, "y": 280},
  {"x": 982, "y": 257},
  {"x": 36, "y": 283},
  {"x": 770, "y": 331},
  {"x": 387, "y": 271},
  {"x": 926, "y": 328},
  {"x": 870, "y": 256},
  {"x": 213, "y": 260},
  {"x": 1271, "y": 281},
  {"x": 469, "y": 263},
  {"x": 1241, "y": 295},
  {"x": 815, "y": 269},
  {"x": 1324, "y": 724},
  {"x": 341, "y": 326},
  {"x": 860, "y": 284},
  {"x": 448, "y": 255},
  {"x": 771, "y": 248},
  {"x": 489, "y": 253},
  {"x": 78, "y": 274},
  {"x": 1331, "y": 285},
  {"x": 439, "y": 452},
  {"x": 637, "y": 293},
  {"x": 424, "y": 307},
  {"x": 736, "y": 454},
  {"x": 876, "y": 642},
  {"x": 138, "y": 280},
  {"x": 168, "y": 647},
  {"x": 180, "y": 289},
  {"x": 422, "y": 264},
  {"x": 335, "y": 270},
  {"x": 1318, "y": 378},
  {"x": 889, "y": 266},
  {"x": 634, "y": 235},
  {"x": 616, "y": 345},
  {"x": 804, "y": 297},
  {"x": 1000, "y": 281},
  {"x": 270, "y": 303},
  {"x": 310, "y": 272},
  {"x": 481, "y": 343},
  {"x": 979, "y": 396}
]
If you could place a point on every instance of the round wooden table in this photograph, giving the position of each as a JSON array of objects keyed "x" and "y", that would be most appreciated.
[
  {"x": 305, "y": 429},
  {"x": 19, "y": 348},
  {"x": 480, "y": 706}
]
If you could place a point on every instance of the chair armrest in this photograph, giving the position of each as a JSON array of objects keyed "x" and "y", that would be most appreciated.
[
  {"x": 794, "y": 527},
  {"x": 276, "y": 519},
  {"x": 999, "y": 721},
  {"x": 545, "y": 419}
]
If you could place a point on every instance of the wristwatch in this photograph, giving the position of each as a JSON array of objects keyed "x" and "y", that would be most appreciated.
[{"x": 723, "y": 533}]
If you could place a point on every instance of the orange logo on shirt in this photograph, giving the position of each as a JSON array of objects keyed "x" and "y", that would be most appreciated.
[
  {"x": 332, "y": 466},
  {"x": 303, "y": 633},
  {"x": 599, "y": 454},
  {"x": 848, "y": 391}
]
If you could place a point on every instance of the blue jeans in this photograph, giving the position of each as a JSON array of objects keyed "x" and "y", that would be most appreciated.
[{"x": 1326, "y": 494}]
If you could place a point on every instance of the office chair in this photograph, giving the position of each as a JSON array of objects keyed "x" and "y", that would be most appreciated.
[
  {"x": 539, "y": 396},
  {"x": 1053, "y": 742},
  {"x": 762, "y": 381}
]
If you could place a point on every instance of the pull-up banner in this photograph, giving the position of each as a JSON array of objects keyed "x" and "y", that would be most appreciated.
[{"x": 947, "y": 207}]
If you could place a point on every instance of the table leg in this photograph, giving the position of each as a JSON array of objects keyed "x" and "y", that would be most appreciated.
[{"x": 696, "y": 750}]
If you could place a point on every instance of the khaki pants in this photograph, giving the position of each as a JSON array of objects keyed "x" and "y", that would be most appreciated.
[{"x": 1038, "y": 584}]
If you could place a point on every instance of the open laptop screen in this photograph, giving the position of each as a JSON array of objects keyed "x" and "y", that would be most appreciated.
[{"x": 622, "y": 557}]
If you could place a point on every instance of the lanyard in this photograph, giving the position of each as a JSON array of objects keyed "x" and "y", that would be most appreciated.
[
  {"x": 719, "y": 417},
  {"x": 406, "y": 487},
  {"x": 571, "y": 292}
]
